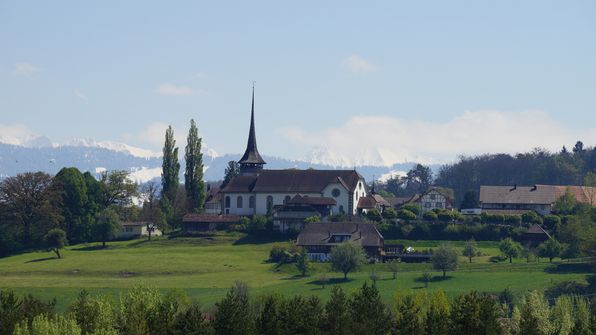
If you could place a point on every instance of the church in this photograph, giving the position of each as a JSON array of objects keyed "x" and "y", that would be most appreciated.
[{"x": 258, "y": 191}]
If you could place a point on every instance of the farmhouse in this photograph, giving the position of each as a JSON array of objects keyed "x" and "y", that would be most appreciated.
[
  {"x": 258, "y": 191},
  {"x": 520, "y": 199},
  {"x": 434, "y": 198},
  {"x": 535, "y": 235},
  {"x": 137, "y": 229},
  {"x": 319, "y": 238}
]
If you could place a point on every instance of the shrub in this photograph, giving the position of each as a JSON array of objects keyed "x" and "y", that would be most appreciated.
[
  {"x": 407, "y": 215},
  {"x": 430, "y": 216},
  {"x": 416, "y": 209},
  {"x": 552, "y": 222},
  {"x": 279, "y": 254},
  {"x": 514, "y": 220},
  {"x": 389, "y": 213},
  {"x": 445, "y": 216},
  {"x": 531, "y": 217},
  {"x": 374, "y": 214}
]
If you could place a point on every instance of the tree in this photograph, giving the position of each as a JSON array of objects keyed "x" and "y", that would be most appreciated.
[
  {"x": 430, "y": 216},
  {"x": 445, "y": 258},
  {"x": 389, "y": 213},
  {"x": 302, "y": 263},
  {"x": 374, "y": 214},
  {"x": 550, "y": 249},
  {"x": 405, "y": 214},
  {"x": 535, "y": 315},
  {"x": 368, "y": 312},
  {"x": 474, "y": 313},
  {"x": 510, "y": 248},
  {"x": 232, "y": 170},
  {"x": 393, "y": 266},
  {"x": 566, "y": 203},
  {"x": 438, "y": 314},
  {"x": 232, "y": 313},
  {"x": 470, "y": 200},
  {"x": 426, "y": 278},
  {"x": 170, "y": 174},
  {"x": 268, "y": 320},
  {"x": 70, "y": 184},
  {"x": 193, "y": 175},
  {"x": 336, "y": 320},
  {"x": 117, "y": 188},
  {"x": 470, "y": 249},
  {"x": 347, "y": 257},
  {"x": 192, "y": 321},
  {"x": 43, "y": 324},
  {"x": 590, "y": 187},
  {"x": 410, "y": 315},
  {"x": 107, "y": 225},
  {"x": 55, "y": 240},
  {"x": 151, "y": 212},
  {"x": 418, "y": 179},
  {"x": 32, "y": 203},
  {"x": 562, "y": 315}
]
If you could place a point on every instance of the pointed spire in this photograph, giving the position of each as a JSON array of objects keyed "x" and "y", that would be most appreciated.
[
  {"x": 373, "y": 186},
  {"x": 251, "y": 158}
]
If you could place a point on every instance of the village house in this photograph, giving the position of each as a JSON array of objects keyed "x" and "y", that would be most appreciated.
[
  {"x": 291, "y": 215},
  {"x": 137, "y": 229},
  {"x": 434, "y": 198},
  {"x": 257, "y": 191},
  {"x": 535, "y": 235},
  {"x": 213, "y": 200},
  {"x": 520, "y": 199},
  {"x": 319, "y": 238}
]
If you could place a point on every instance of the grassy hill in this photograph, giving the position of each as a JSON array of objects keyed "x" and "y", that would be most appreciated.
[{"x": 206, "y": 267}]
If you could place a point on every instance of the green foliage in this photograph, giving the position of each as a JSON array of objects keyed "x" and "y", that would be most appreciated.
[
  {"x": 438, "y": 314},
  {"x": 347, "y": 257},
  {"x": 268, "y": 319},
  {"x": 55, "y": 240},
  {"x": 565, "y": 204},
  {"x": 170, "y": 178},
  {"x": 445, "y": 258},
  {"x": 94, "y": 315},
  {"x": 393, "y": 267},
  {"x": 445, "y": 216},
  {"x": 475, "y": 313},
  {"x": 510, "y": 248},
  {"x": 232, "y": 170},
  {"x": 581, "y": 324},
  {"x": 513, "y": 219},
  {"x": 552, "y": 222},
  {"x": 300, "y": 315},
  {"x": 302, "y": 263},
  {"x": 550, "y": 249},
  {"x": 389, "y": 213},
  {"x": 405, "y": 214},
  {"x": 430, "y": 216},
  {"x": 414, "y": 208},
  {"x": 470, "y": 200},
  {"x": 232, "y": 314},
  {"x": 312, "y": 219},
  {"x": 44, "y": 325},
  {"x": 280, "y": 254},
  {"x": 336, "y": 320},
  {"x": 374, "y": 214},
  {"x": 470, "y": 249},
  {"x": 562, "y": 316},
  {"x": 10, "y": 311},
  {"x": 193, "y": 174},
  {"x": 410, "y": 315},
  {"x": 73, "y": 192},
  {"x": 531, "y": 217},
  {"x": 117, "y": 188},
  {"x": 191, "y": 322},
  {"x": 535, "y": 315},
  {"x": 136, "y": 306},
  {"x": 368, "y": 313},
  {"x": 107, "y": 225}
]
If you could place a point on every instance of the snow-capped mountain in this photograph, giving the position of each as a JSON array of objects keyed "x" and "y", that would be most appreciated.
[{"x": 113, "y": 146}]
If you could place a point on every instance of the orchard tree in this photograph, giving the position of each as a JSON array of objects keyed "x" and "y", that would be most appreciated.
[
  {"x": 470, "y": 249},
  {"x": 302, "y": 263},
  {"x": 347, "y": 257},
  {"x": 445, "y": 258},
  {"x": 510, "y": 248},
  {"x": 55, "y": 240},
  {"x": 107, "y": 225},
  {"x": 193, "y": 175},
  {"x": 393, "y": 266},
  {"x": 550, "y": 249}
]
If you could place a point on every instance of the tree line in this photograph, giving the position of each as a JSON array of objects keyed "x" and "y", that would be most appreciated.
[
  {"x": 143, "y": 310},
  {"x": 38, "y": 210}
]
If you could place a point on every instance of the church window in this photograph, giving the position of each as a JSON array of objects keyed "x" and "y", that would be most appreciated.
[
  {"x": 239, "y": 202},
  {"x": 341, "y": 209},
  {"x": 335, "y": 193},
  {"x": 228, "y": 201},
  {"x": 251, "y": 201}
]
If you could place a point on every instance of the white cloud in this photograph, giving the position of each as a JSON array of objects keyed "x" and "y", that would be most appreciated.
[
  {"x": 79, "y": 94},
  {"x": 25, "y": 69},
  {"x": 171, "y": 89},
  {"x": 382, "y": 140},
  {"x": 358, "y": 64},
  {"x": 16, "y": 134}
]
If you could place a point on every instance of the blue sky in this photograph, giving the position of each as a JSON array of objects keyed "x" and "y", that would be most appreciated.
[{"x": 361, "y": 82}]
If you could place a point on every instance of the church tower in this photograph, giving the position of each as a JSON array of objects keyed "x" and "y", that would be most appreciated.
[{"x": 251, "y": 162}]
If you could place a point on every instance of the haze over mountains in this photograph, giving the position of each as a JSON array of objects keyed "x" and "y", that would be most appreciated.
[{"x": 41, "y": 154}]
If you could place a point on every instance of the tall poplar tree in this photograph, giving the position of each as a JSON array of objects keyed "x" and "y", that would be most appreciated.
[
  {"x": 170, "y": 168},
  {"x": 193, "y": 176}
]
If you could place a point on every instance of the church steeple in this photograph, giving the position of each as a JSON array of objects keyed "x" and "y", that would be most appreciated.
[{"x": 251, "y": 161}]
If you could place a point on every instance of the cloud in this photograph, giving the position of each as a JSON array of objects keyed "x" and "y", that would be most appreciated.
[
  {"x": 382, "y": 140},
  {"x": 25, "y": 69},
  {"x": 171, "y": 89},
  {"x": 16, "y": 134},
  {"x": 80, "y": 95},
  {"x": 358, "y": 64}
]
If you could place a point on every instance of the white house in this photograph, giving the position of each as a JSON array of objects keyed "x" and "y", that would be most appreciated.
[
  {"x": 434, "y": 198},
  {"x": 136, "y": 229}
]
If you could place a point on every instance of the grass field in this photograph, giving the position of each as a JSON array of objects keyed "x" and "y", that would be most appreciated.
[{"x": 206, "y": 267}]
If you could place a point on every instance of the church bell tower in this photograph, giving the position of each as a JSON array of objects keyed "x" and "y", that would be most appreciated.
[{"x": 251, "y": 162}]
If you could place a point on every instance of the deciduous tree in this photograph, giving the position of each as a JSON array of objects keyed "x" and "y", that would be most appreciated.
[
  {"x": 445, "y": 259},
  {"x": 347, "y": 257},
  {"x": 55, "y": 240},
  {"x": 510, "y": 248}
]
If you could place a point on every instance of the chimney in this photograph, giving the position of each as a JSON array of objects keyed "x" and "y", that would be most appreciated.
[
  {"x": 514, "y": 188},
  {"x": 534, "y": 188}
]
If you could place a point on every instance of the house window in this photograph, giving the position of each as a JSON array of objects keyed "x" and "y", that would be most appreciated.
[
  {"x": 239, "y": 202},
  {"x": 427, "y": 205},
  {"x": 439, "y": 205},
  {"x": 335, "y": 193},
  {"x": 432, "y": 197},
  {"x": 128, "y": 229},
  {"x": 228, "y": 201},
  {"x": 251, "y": 201}
]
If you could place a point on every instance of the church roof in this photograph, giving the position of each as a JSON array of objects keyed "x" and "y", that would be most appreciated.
[
  {"x": 293, "y": 181},
  {"x": 251, "y": 155}
]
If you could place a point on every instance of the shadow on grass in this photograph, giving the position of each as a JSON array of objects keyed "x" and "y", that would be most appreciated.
[
  {"x": 434, "y": 279},
  {"x": 330, "y": 281},
  {"x": 42, "y": 259},
  {"x": 563, "y": 268},
  {"x": 295, "y": 277},
  {"x": 90, "y": 248},
  {"x": 256, "y": 239}
]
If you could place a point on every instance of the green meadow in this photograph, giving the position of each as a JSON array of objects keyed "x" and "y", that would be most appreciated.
[{"x": 205, "y": 267}]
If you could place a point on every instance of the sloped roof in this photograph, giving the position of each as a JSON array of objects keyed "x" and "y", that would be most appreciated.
[
  {"x": 293, "y": 181},
  {"x": 318, "y": 234},
  {"x": 210, "y": 218},
  {"x": 366, "y": 203},
  {"x": 397, "y": 201},
  {"x": 537, "y": 229},
  {"x": 251, "y": 155},
  {"x": 380, "y": 200},
  {"x": 539, "y": 194},
  {"x": 300, "y": 200}
]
